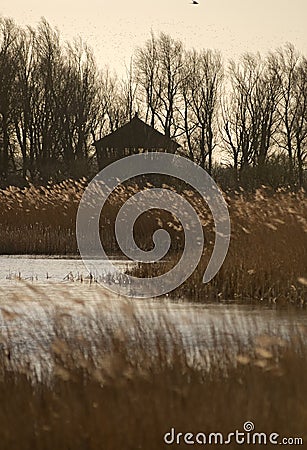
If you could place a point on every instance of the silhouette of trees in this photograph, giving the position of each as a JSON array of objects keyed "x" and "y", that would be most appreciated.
[
  {"x": 54, "y": 102},
  {"x": 75, "y": 104},
  {"x": 24, "y": 101},
  {"x": 48, "y": 103},
  {"x": 291, "y": 68},
  {"x": 201, "y": 92},
  {"x": 8, "y": 70},
  {"x": 250, "y": 118},
  {"x": 158, "y": 67}
]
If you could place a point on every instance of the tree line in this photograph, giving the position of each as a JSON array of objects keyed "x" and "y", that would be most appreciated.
[{"x": 249, "y": 114}]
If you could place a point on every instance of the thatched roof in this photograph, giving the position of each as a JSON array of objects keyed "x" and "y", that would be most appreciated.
[{"x": 137, "y": 134}]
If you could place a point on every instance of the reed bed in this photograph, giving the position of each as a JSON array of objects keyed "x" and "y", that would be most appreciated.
[
  {"x": 112, "y": 388},
  {"x": 266, "y": 261},
  {"x": 267, "y": 257}
]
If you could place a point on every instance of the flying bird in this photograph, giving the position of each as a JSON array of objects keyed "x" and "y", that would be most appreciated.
[{"x": 194, "y": 2}]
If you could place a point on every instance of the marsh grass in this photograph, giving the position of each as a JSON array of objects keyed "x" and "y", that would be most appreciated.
[
  {"x": 266, "y": 259},
  {"x": 112, "y": 388}
]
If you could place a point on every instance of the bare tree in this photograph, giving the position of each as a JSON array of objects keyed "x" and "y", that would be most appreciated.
[
  {"x": 114, "y": 103},
  {"x": 250, "y": 118},
  {"x": 24, "y": 100},
  {"x": 147, "y": 69},
  {"x": 185, "y": 110},
  {"x": 159, "y": 75},
  {"x": 300, "y": 124},
  {"x": 201, "y": 91},
  {"x": 45, "y": 121},
  {"x": 129, "y": 92},
  {"x": 236, "y": 117},
  {"x": 75, "y": 103},
  {"x": 8, "y": 70},
  {"x": 290, "y": 66}
]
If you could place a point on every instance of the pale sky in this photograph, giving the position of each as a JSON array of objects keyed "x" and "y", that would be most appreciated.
[{"x": 115, "y": 28}]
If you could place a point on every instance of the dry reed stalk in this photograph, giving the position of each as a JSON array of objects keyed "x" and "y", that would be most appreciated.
[{"x": 267, "y": 256}]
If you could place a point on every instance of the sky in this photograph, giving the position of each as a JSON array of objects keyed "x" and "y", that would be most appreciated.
[{"x": 114, "y": 29}]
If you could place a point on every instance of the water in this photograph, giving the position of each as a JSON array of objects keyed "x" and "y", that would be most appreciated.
[
  {"x": 48, "y": 269},
  {"x": 32, "y": 305}
]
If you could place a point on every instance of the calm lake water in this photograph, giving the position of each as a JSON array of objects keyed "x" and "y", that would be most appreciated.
[
  {"x": 37, "y": 293},
  {"x": 47, "y": 269}
]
